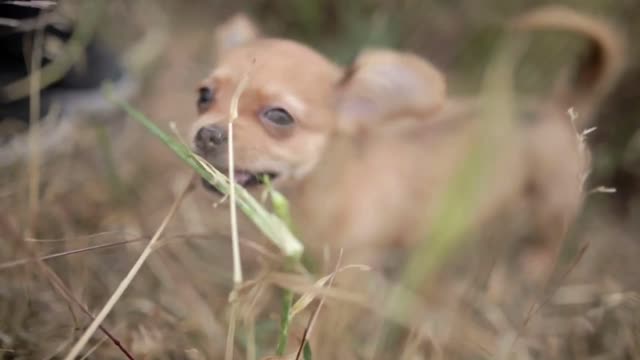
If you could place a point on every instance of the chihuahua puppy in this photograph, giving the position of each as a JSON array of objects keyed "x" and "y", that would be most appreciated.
[
  {"x": 285, "y": 113},
  {"x": 366, "y": 154}
]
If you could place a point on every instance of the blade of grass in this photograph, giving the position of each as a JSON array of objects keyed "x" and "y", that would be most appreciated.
[
  {"x": 75, "y": 350},
  {"x": 281, "y": 208},
  {"x": 285, "y": 321},
  {"x": 304, "y": 348},
  {"x": 306, "y": 351},
  {"x": 306, "y": 299},
  {"x": 237, "y": 267},
  {"x": 269, "y": 224},
  {"x": 34, "y": 160},
  {"x": 19, "y": 262},
  {"x": 235, "y": 243},
  {"x": 231, "y": 330},
  {"x": 65, "y": 292},
  {"x": 461, "y": 198},
  {"x": 280, "y": 203}
]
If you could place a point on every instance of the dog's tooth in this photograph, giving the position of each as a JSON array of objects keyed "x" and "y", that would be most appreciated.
[{"x": 242, "y": 177}]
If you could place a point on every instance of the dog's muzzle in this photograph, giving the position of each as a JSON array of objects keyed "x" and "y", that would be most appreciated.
[{"x": 210, "y": 140}]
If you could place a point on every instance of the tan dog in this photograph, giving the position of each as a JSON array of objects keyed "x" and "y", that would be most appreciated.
[
  {"x": 285, "y": 112},
  {"x": 367, "y": 153}
]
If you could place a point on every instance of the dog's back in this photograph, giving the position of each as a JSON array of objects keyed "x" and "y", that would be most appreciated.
[{"x": 384, "y": 183}]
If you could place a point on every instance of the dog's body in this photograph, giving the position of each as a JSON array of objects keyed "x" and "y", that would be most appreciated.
[{"x": 367, "y": 155}]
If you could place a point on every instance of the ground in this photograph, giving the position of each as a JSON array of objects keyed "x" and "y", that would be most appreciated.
[{"x": 114, "y": 183}]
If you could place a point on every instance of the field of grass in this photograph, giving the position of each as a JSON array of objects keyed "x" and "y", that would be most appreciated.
[{"x": 115, "y": 198}]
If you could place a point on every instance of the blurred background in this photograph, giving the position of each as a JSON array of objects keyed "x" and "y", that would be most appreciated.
[{"x": 97, "y": 181}]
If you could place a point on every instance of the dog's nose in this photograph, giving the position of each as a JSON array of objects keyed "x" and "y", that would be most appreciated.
[{"x": 210, "y": 137}]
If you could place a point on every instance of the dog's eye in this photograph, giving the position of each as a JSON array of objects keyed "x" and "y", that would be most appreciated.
[
  {"x": 277, "y": 116},
  {"x": 205, "y": 98}
]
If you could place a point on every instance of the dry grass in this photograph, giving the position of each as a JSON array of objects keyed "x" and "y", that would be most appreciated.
[{"x": 94, "y": 218}]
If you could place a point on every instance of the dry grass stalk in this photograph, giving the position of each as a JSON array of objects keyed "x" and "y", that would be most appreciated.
[
  {"x": 19, "y": 262},
  {"x": 235, "y": 243},
  {"x": 316, "y": 312},
  {"x": 233, "y": 115},
  {"x": 33, "y": 163},
  {"x": 79, "y": 345},
  {"x": 64, "y": 291}
]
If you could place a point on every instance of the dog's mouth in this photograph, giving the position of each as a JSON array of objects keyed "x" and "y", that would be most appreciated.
[{"x": 245, "y": 178}]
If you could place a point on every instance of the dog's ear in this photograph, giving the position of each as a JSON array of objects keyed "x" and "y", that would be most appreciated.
[
  {"x": 381, "y": 84},
  {"x": 237, "y": 31}
]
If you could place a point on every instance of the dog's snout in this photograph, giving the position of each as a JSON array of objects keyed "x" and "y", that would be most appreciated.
[{"x": 210, "y": 137}]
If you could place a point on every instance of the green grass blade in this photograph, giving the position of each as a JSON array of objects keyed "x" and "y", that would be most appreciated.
[
  {"x": 271, "y": 225},
  {"x": 306, "y": 352},
  {"x": 285, "y": 320}
]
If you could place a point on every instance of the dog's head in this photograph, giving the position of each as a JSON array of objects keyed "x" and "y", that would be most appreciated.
[
  {"x": 284, "y": 111},
  {"x": 295, "y": 98}
]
